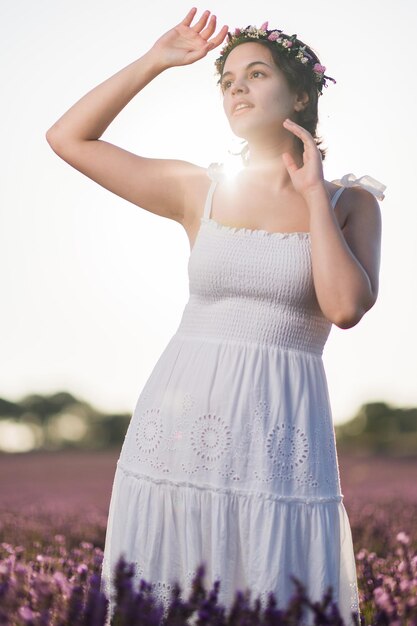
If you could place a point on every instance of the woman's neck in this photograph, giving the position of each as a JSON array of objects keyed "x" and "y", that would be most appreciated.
[
  {"x": 267, "y": 161},
  {"x": 266, "y": 157}
]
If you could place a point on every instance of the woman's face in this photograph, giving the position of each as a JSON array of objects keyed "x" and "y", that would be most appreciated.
[{"x": 256, "y": 95}]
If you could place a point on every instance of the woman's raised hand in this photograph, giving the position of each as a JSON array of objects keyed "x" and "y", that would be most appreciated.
[
  {"x": 185, "y": 44},
  {"x": 309, "y": 176}
]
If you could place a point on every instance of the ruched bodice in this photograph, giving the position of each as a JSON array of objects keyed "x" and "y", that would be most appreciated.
[{"x": 253, "y": 286}]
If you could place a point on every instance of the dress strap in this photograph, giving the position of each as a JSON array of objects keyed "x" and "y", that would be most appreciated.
[
  {"x": 209, "y": 198},
  {"x": 337, "y": 195}
]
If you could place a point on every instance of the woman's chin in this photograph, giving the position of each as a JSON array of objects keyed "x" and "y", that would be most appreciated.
[
  {"x": 248, "y": 131},
  {"x": 240, "y": 135},
  {"x": 242, "y": 131}
]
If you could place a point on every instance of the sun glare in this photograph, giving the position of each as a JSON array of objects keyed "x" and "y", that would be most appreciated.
[{"x": 232, "y": 165}]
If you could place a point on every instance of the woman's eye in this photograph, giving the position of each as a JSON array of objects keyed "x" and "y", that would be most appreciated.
[
  {"x": 226, "y": 84},
  {"x": 257, "y": 73}
]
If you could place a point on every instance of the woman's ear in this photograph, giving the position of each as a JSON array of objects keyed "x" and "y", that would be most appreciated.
[{"x": 301, "y": 101}]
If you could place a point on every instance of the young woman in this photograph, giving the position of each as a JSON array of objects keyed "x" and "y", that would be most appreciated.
[{"x": 230, "y": 458}]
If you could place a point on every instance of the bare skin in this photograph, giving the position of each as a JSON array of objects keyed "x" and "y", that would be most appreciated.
[
  {"x": 280, "y": 190},
  {"x": 170, "y": 188}
]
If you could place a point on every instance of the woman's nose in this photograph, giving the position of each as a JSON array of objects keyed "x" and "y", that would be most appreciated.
[{"x": 239, "y": 86}]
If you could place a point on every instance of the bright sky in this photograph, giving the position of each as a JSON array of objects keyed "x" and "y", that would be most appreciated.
[{"x": 94, "y": 287}]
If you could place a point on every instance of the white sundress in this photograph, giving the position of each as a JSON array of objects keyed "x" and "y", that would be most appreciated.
[{"x": 230, "y": 456}]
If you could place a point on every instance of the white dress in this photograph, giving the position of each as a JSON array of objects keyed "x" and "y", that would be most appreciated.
[{"x": 230, "y": 458}]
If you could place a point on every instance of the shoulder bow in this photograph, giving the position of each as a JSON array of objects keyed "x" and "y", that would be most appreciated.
[
  {"x": 215, "y": 171},
  {"x": 366, "y": 182}
]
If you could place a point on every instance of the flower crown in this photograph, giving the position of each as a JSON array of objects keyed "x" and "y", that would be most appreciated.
[{"x": 290, "y": 45}]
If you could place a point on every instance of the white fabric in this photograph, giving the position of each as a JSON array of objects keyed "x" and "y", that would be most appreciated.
[
  {"x": 230, "y": 456},
  {"x": 366, "y": 182},
  {"x": 337, "y": 196}
]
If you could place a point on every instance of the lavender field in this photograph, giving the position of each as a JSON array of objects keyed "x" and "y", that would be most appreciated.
[{"x": 53, "y": 513}]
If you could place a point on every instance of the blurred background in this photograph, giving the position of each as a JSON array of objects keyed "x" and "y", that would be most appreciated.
[
  {"x": 62, "y": 422},
  {"x": 94, "y": 287}
]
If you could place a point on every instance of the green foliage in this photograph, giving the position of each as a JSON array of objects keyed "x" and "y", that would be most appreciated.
[
  {"x": 379, "y": 428},
  {"x": 65, "y": 422}
]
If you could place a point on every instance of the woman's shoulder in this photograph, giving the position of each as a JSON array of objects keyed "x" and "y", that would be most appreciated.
[{"x": 358, "y": 202}]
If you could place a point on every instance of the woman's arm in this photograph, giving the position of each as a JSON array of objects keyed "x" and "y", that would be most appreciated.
[
  {"x": 345, "y": 261},
  {"x": 157, "y": 185}
]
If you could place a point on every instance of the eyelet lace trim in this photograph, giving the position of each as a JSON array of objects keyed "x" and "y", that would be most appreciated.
[{"x": 258, "y": 450}]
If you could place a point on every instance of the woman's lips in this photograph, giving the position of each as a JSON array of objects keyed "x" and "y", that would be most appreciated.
[{"x": 241, "y": 106}]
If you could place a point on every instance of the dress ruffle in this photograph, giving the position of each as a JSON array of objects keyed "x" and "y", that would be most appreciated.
[{"x": 222, "y": 526}]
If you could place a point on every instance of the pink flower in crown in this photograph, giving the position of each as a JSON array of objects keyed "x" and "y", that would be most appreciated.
[
  {"x": 273, "y": 36},
  {"x": 287, "y": 43},
  {"x": 319, "y": 69},
  {"x": 264, "y": 26},
  {"x": 237, "y": 32}
]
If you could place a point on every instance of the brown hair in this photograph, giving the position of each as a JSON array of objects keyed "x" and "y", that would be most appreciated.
[{"x": 300, "y": 78}]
